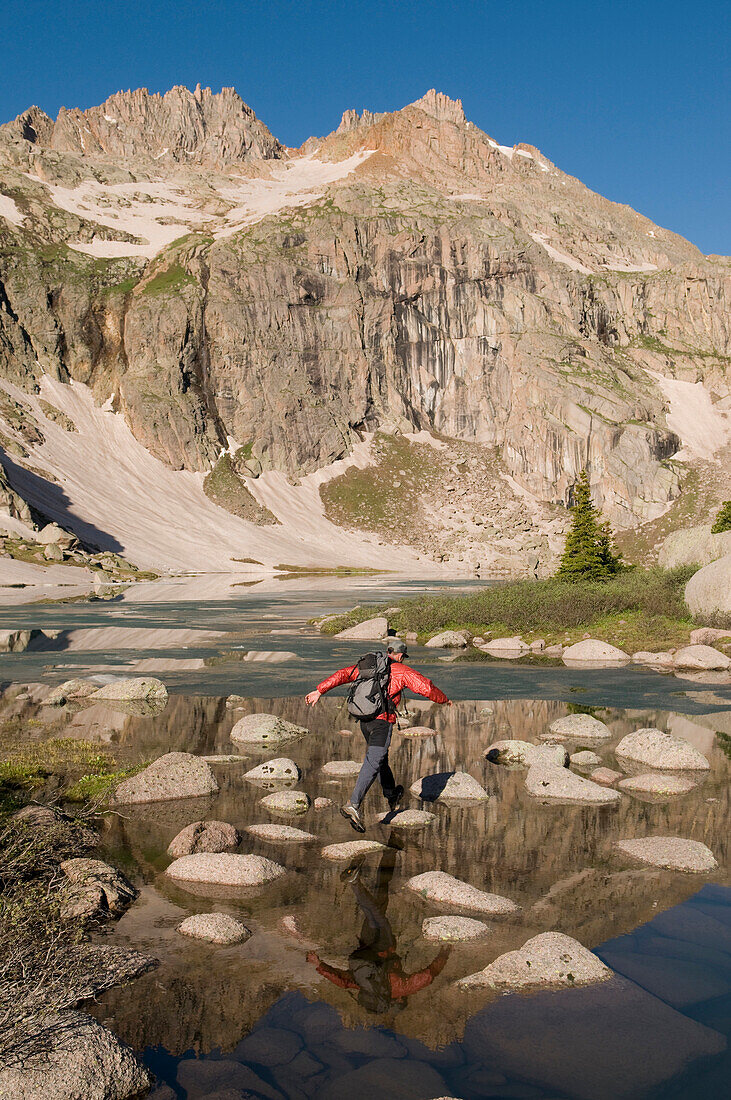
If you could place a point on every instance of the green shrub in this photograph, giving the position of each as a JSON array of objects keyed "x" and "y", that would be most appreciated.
[{"x": 722, "y": 521}]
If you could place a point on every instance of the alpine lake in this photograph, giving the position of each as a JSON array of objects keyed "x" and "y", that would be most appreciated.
[{"x": 338, "y": 993}]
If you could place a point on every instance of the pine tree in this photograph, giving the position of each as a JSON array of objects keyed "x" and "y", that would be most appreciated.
[
  {"x": 589, "y": 553},
  {"x": 723, "y": 519}
]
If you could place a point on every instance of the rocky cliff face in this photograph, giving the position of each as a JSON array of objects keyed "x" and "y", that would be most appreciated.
[{"x": 405, "y": 273}]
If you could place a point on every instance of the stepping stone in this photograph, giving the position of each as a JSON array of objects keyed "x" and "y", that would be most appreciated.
[
  {"x": 582, "y": 728},
  {"x": 280, "y": 833},
  {"x": 265, "y": 729},
  {"x": 225, "y": 869},
  {"x": 407, "y": 819},
  {"x": 585, "y": 759},
  {"x": 286, "y": 802},
  {"x": 444, "y": 889},
  {"x": 352, "y": 848},
  {"x": 204, "y": 836},
  {"x": 417, "y": 731},
  {"x": 449, "y": 787},
  {"x": 673, "y": 853},
  {"x": 321, "y": 803},
  {"x": 656, "y": 788},
  {"x": 521, "y": 754},
  {"x": 552, "y": 784},
  {"x": 279, "y": 768},
  {"x": 658, "y": 750},
  {"x": 215, "y": 928},
  {"x": 605, "y": 776},
  {"x": 453, "y": 929},
  {"x": 550, "y": 959},
  {"x": 341, "y": 769},
  {"x": 174, "y": 775}
]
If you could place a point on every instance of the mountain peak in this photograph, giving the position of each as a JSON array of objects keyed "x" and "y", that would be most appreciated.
[{"x": 441, "y": 107}]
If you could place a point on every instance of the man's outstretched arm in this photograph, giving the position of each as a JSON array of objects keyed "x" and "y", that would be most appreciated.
[
  {"x": 420, "y": 685},
  {"x": 342, "y": 676}
]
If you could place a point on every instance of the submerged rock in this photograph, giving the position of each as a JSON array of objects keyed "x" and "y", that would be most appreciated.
[
  {"x": 585, "y": 759},
  {"x": 204, "y": 836},
  {"x": 286, "y": 802},
  {"x": 651, "y": 787},
  {"x": 265, "y": 729},
  {"x": 77, "y": 1058},
  {"x": 448, "y": 787},
  {"x": 665, "y": 751},
  {"x": 280, "y": 768},
  {"x": 549, "y": 783},
  {"x": 372, "y": 630},
  {"x": 215, "y": 928},
  {"x": 341, "y": 769},
  {"x": 521, "y": 754},
  {"x": 174, "y": 775},
  {"x": 352, "y": 848},
  {"x": 94, "y": 890},
  {"x": 453, "y": 929},
  {"x": 444, "y": 889},
  {"x": 548, "y": 960},
  {"x": 281, "y": 833},
  {"x": 322, "y": 803},
  {"x": 578, "y": 727},
  {"x": 147, "y": 689},
  {"x": 225, "y": 869},
  {"x": 606, "y": 777},
  {"x": 674, "y": 853},
  {"x": 417, "y": 731},
  {"x": 594, "y": 653}
]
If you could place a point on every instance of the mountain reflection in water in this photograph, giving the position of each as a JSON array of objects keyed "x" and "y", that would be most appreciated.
[{"x": 266, "y": 1018}]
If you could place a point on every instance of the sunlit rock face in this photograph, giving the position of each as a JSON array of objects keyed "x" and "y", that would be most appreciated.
[{"x": 406, "y": 272}]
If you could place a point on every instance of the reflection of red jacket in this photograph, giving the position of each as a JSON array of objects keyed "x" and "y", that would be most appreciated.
[
  {"x": 402, "y": 985},
  {"x": 401, "y": 677}
]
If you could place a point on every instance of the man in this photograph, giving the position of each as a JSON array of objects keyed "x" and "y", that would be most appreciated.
[{"x": 377, "y": 731}]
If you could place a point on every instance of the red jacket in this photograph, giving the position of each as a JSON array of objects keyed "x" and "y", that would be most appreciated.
[{"x": 401, "y": 677}]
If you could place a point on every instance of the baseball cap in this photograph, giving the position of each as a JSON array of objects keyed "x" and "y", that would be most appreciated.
[{"x": 395, "y": 645}]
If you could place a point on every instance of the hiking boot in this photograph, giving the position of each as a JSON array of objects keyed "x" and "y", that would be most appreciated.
[
  {"x": 352, "y": 814},
  {"x": 394, "y": 799}
]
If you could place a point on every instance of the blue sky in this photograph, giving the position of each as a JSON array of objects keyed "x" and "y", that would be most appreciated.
[{"x": 633, "y": 98}]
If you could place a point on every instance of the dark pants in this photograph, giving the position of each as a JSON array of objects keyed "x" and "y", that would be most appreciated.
[{"x": 378, "y": 738}]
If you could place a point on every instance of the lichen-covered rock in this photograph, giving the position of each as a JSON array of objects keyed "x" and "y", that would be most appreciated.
[
  {"x": 94, "y": 890},
  {"x": 581, "y": 728},
  {"x": 701, "y": 657},
  {"x": 443, "y": 889},
  {"x": 265, "y": 729},
  {"x": 78, "y": 1059},
  {"x": 371, "y": 630},
  {"x": 140, "y": 688},
  {"x": 449, "y": 787},
  {"x": 448, "y": 639},
  {"x": 548, "y": 960},
  {"x": 174, "y": 775},
  {"x": 674, "y": 853},
  {"x": 286, "y": 834},
  {"x": 225, "y": 869},
  {"x": 204, "y": 836},
  {"x": 352, "y": 848},
  {"x": 69, "y": 689},
  {"x": 219, "y": 928},
  {"x": 341, "y": 769},
  {"x": 281, "y": 768},
  {"x": 592, "y": 652},
  {"x": 453, "y": 929},
  {"x": 286, "y": 802},
  {"x": 655, "y": 749},
  {"x": 552, "y": 784}
]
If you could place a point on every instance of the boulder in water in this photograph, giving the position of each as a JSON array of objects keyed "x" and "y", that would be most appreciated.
[
  {"x": 552, "y": 784},
  {"x": 444, "y": 889},
  {"x": 215, "y": 928},
  {"x": 139, "y": 689},
  {"x": 174, "y": 775},
  {"x": 673, "y": 853},
  {"x": 581, "y": 728},
  {"x": 225, "y": 869},
  {"x": 286, "y": 802},
  {"x": 449, "y": 787},
  {"x": 657, "y": 750},
  {"x": 548, "y": 960},
  {"x": 265, "y": 729},
  {"x": 371, "y": 630},
  {"x": 593, "y": 653},
  {"x": 204, "y": 836}
]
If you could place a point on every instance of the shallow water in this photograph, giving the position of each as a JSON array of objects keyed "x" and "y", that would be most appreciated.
[{"x": 259, "y": 1019}]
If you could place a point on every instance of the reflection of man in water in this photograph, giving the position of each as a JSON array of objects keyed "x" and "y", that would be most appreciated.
[{"x": 375, "y": 968}]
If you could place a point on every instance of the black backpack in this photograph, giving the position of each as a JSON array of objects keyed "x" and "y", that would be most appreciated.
[{"x": 368, "y": 695}]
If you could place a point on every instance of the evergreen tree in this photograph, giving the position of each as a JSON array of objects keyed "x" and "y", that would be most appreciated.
[
  {"x": 589, "y": 553},
  {"x": 723, "y": 519}
]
